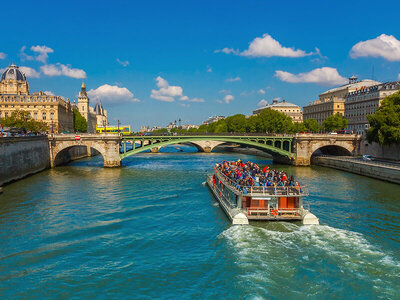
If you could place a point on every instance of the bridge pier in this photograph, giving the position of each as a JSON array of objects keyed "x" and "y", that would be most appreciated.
[
  {"x": 206, "y": 146},
  {"x": 154, "y": 150}
]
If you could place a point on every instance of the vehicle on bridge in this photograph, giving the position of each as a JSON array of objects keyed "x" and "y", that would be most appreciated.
[{"x": 259, "y": 203}]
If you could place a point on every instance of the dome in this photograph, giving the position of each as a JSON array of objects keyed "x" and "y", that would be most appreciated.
[{"x": 13, "y": 73}]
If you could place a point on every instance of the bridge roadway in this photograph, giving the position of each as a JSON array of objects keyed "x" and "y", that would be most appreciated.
[{"x": 292, "y": 149}]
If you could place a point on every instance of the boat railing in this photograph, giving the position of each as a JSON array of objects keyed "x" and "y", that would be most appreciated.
[{"x": 294, "y": 191}]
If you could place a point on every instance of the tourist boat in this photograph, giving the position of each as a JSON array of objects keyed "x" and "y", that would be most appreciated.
[{"x": 259, "y": 203}]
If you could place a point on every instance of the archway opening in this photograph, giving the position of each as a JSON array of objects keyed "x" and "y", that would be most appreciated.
[
  {"x": 331, "y": 150},
  {"x": 71, "y": 153}
]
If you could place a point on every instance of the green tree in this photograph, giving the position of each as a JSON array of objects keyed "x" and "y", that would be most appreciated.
[
  {"x": 385, "y": 123},
  {"x": 236, "y": 123},
  {"x": 22, "y": 119},
  {"x": 311, "y": 125},
  {"x": 220, "y": 127},
  {"x": 161, "y": 131},
  {"x": 80, "y": 123},
  {"x": 299, "y": 127},
  {"x": 334, "y": 122},
  {"x": 272, "y": 121}
]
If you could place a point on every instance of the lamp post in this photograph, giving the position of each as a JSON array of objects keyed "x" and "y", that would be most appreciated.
[
  {"x": 118, "y": 127},
  {"x": 105, "y": 126}
]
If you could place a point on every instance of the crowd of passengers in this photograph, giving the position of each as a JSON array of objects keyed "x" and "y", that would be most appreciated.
[{"x": 250, "y": 174}]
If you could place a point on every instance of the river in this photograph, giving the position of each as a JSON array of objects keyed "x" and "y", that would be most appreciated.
[{"x": 151, "y": 229}]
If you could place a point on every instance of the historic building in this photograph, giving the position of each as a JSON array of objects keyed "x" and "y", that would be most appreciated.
[
  {"x": 333, "y": 100},
  {"x": 365, "y": 101},
  {"x": 14, "y": 95},
  {"x": 53, "y": 110},
  {"x": 95, "y": 117},
  {"x": 289, "y": 109}
]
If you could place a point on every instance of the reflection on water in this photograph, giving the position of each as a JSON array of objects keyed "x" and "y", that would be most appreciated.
[{"x": 151, "y": 229}]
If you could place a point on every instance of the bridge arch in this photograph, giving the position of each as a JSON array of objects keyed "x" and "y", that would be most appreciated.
[
  {"x": 332, "y": 150},
  {"x": 81, "y": 150},
  {"x": 258, "y": 142}
]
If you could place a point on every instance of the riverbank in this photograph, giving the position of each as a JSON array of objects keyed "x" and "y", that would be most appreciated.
[
  {"x": 24, "y": 156},
  {"x": 387, "y": 172}
]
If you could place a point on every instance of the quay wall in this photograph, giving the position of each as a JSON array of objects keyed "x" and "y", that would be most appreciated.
[
  {"x": 381, "y": 171},
  {"x": 389, "y": 152},
  {"x": 22, "y": 156}
]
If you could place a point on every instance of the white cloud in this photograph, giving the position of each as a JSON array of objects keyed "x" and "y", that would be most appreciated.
[
  {"x": 123, "y": 63},
  {"x": 209, "y": 69},
  {"x": 261, "y": 91},
  {"x": 198, "y": 100},
  {"x": 386, "y": 46},
  {"x": 267, "y": 46},
  {"x": 112, "y": 94},
  {"x": 324, "y": 75},
  {"x": 49, "y": 93},
  {"x": 29, "y": 72},
  {"x": 224, "y": 92},
  {"x": 227, "y": 99},
  {"x": 3, "y": 55},
  {"x": 166, "y": 92},
  {"x": 62, "y": 70},
  {"x": 41, "y": 53},
  {"x": 262, "y": 103},
  {"x": 233, "y": 79},
  {"x": 227, "y": 51}
]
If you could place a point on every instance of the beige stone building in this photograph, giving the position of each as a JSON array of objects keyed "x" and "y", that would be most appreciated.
[
  {"x": 94, "y": 116},
  {"x": 289, "y": 109},
  {"x": 53, "y": 110},
  {"x": 333, "y": 100},
  {"x": 366, "y": 101},
  {"x": 14, "y": 95}
]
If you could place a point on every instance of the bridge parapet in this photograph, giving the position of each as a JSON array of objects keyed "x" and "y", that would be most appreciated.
[
  {"x": 107, "y": 145},
  {"x": 305, "y": 145}
]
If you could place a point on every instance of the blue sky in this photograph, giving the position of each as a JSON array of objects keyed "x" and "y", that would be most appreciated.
[{"x": 157, "y": 61}]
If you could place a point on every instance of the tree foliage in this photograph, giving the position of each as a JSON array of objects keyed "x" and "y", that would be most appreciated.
[
  {"x": 334, "y": 122},
  {"x": 385, "y": 123},
  {"x": 311, "y": 125},
  {"x": 80, "y": 123},
  {"x": 22, "y": 119}
]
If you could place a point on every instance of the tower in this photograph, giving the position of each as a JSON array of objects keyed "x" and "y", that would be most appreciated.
[{"x": 83, "y": 102}]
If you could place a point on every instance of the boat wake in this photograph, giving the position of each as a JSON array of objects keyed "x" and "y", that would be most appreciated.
[{"x": 267, "y": 256}]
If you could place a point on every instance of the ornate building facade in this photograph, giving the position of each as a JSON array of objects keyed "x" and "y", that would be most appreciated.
[
  {"x": 53, "y": 110},
  {"x": 14, "y": 95},
  {"x": 333, "y": 100},
  {"x": 366, "y": 101},
  {"x": 287, "y": 108}
]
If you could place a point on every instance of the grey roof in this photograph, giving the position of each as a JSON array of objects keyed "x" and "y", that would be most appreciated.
[
  {"x": 97, "y": 109},
  {"x": 12, "y": 72}
]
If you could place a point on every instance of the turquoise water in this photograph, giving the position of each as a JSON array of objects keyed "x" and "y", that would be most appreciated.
[{"x": 152, "y": 230}]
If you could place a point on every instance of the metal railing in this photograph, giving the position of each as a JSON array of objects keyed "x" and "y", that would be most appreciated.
[
  {"x": 360, "y": 160},
  {"x": 272, "y": 191}
]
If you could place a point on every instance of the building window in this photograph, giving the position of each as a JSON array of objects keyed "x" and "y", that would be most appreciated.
[
  {"x": 6, "y": 114},
  {"x": 35, "y": 115},
  {"x": 52, "y": 116},
  {"x": 83, "y": 108},
  {"x": 44, "y": 116}
]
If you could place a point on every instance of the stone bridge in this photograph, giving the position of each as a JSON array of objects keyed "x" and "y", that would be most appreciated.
[{"x": 292, "y": 149}]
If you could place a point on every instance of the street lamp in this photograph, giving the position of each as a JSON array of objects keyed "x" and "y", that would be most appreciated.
[{"x": 118, "y": 127}]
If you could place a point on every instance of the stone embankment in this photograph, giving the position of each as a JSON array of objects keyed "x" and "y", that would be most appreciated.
[
  {"x": 379, "y": 170},
  {"x": 23, "y": 156}
]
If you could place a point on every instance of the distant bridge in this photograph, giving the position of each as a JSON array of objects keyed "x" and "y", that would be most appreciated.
[{"x": 293, "y": 149}]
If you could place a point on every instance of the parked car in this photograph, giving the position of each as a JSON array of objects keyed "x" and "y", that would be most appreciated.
[{"x": 367, "y": 157}]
